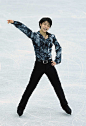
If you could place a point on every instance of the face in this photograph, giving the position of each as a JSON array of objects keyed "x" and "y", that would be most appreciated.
[{"x": 45, "y": 26}]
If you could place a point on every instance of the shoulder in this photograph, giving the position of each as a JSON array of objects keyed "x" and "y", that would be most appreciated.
[{"x": 52, "y": 35}]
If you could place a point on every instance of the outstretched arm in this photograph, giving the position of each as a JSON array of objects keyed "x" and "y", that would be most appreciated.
[
  {"x": 58, "y": 50},
  {"x": 23, "y": 28}
]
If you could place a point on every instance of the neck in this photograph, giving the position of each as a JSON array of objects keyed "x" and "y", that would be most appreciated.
[{"x": 43, "y": 33}]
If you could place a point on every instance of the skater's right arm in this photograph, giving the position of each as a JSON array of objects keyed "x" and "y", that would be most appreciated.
[{"x": 22, "y": 27}]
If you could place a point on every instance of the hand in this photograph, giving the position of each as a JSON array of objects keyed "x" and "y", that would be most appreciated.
[
  {"x": 53, "y": 63},
  {"x": 10, "y": 21}
]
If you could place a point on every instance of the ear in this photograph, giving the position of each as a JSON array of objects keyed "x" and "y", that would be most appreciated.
[{"x": 40, "y": 24}]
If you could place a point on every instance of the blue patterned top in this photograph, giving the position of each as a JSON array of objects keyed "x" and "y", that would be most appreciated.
[{"x": 42, "y": 46}]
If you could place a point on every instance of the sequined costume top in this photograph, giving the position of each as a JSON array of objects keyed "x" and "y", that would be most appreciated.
[{"x": 42, "y": 46}]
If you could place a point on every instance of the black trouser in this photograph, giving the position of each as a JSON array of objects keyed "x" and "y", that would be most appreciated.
[{"x": 38, "y": 70}]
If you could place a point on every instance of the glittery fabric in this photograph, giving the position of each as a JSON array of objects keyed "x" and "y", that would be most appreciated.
[{"x": 42, "y": 46}]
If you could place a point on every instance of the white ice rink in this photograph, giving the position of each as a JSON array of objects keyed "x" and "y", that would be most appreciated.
[{"x": 17, "y": 59}]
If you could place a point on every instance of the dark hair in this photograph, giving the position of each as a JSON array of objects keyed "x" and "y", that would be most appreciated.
[{"x": 45, "y": 19}]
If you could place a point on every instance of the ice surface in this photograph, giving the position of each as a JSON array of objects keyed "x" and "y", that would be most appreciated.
[{"x": 17, "y": 58}]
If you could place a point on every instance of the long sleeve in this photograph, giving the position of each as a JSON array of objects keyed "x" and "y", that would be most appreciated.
[
  {"x": 58, "y": 50},
  {"x": 24, "y": 29}
]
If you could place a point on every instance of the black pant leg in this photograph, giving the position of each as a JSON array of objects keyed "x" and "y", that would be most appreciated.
[
  {"x": 34, "y": 79},
  {"x": 54, "y": 79}
]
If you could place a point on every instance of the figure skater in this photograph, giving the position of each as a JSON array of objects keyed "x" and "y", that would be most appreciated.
[{"x": 42, "y": 42}]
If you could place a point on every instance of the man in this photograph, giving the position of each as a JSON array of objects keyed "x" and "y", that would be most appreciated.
[{"x": 42, "y": 42}]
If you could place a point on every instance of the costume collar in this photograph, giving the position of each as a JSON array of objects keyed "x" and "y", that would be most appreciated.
[{"x": 49, "y": 34}]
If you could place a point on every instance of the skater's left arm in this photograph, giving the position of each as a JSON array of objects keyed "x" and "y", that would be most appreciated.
[{"x": 58, "y": 50}]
